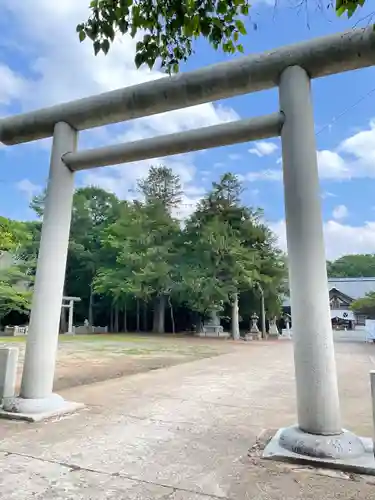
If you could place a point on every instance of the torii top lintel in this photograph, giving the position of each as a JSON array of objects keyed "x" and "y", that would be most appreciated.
[{"x": 319, "y": 57}]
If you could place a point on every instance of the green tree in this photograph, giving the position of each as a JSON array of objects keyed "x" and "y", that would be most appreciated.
[
  {"x": 13, "y": 234},
  {"x": 142, "y": 246},
  {"x": 228, "y": 251},
  {"x": 168, "y": 28},
  {"x": 162, "y": 189},
  {"x": 94, "y": 209},
  {"x": 365, "y": 305},
  {"x": 352, "y": 266},
  {"x": 215, "y": 266},
  {"x": 14, "y": 291},
  {"x": 129, "y": 255},
  {"x": 161, "y": 186}
]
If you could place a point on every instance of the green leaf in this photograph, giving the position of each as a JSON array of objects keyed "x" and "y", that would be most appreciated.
[
  {"x": 139, "y": 59},
  {"x": 97, "y": 47},
  {"x": 222, "y": 7},
  {"x": 241, "y": 27},
  {"x": 82, "y": 36},
  {"x": 105, "y": 46},
  {"x": 245, "y": 9}
]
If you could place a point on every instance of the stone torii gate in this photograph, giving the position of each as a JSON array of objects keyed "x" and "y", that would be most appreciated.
[
  {"x": 319, "y": 432},
  {"x": 68, "y": 303}
]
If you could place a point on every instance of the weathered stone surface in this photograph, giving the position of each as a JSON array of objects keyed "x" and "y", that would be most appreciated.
[
  {"x": 187, "y": 428},
  {"x": 23, "y": 478},
  {"x": 8, "y": 371},
  {"x": 344, "y": 451},
  {"x": 37, "y": 410}
]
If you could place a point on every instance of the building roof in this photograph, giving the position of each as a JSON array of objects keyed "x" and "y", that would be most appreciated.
[{"x": 353, "y": 287}]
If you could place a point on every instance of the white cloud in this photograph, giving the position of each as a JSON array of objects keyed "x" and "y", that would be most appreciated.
[
  {"x": 332, "y": 166},
  {"x": 263, "y": 148},
  {"x": 234, "y": 156},
  {"x": 340, "y": 212},
  {"x": 361, "y": 145},
  {"x": 340, "y": 239},
  {"x": 125, "y": 186},
  {"x": 354, "y": 157},
  {"x": 191, "y": 197},
  {"x": 264, "y": 175},
  {"x": 65, "y": 69},
  {"x": 61, "y": 69},
  {"x": 12, "y": 86},
  {"x": 328, "y": 194},
  {"x": 122, "y": 179},
  {"x": 28, "y": 188}
]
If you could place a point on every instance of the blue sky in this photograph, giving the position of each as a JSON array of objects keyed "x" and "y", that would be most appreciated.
[{"x": 42, "y": 63}]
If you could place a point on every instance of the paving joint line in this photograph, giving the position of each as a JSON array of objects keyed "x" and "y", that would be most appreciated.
[
  {"x": 76, "y": 468},
  {"x": 174, "y": 422},
  {"x": 183, "y": 400}
]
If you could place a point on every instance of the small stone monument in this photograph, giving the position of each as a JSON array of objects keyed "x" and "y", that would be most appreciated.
[
  {"x": 287, "y": 333},
  {"x": 15, "y": 331},
  {"x": 273, "y": 331},
  {"x": 212, "y": 327},
  {"x": 254, "y": 333}
]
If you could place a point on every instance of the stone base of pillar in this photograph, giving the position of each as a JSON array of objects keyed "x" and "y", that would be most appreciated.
[
  {"x": 253, "y": 336},
  {"x": 36, "y": 410},
  {"x": 213, "y": 335},
  {"x": 344, "y": 451}
]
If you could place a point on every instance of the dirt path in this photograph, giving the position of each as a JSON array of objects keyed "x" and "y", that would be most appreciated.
[
  {"x": 187, "y": 432},
  {"x": 83, "y": 360}
]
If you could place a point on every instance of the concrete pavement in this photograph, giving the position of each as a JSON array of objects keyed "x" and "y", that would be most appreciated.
[{"x": 185, "y": 432}]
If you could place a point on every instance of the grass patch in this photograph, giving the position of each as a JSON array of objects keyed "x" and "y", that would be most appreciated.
[
  {"x": 100, "y": 337},
  {"x": 13, "y": 340},
  {"x": 104, "y": 337}
]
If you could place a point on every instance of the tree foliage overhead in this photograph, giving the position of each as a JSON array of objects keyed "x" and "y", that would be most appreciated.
[
  {"x": 14, "y": 293},
  {"x": 352, "y": 266},
  {"x": 166, "y": 29},
  {"x": 227, "y": 249},
  {"x": 13, "y": 234},
  {"x": 365, "y": 305},
  {"x": 141, "y": 244},
  {"x": 161, "y": 187}
]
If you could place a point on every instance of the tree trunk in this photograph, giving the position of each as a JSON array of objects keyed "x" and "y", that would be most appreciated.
[
  {"x": 111, "y": 319},
  {"x": 138, "y": 322},
  {"x": 235, "y": 318},
  {"x": 91, "y": 308},
  {"x": 116, "y": 326},
  {"x": 125, "y": 318},
  {"x": 263, "y": 316},
  {"x": 155, "y": 315},
  {"x": 172, "y": 315},
  {"x": 144, "y": 316},
  {"x": 159, "y": 314},
  {"x": 63, "y": 323}
]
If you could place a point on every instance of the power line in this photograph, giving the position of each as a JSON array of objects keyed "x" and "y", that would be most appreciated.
[{"x": 349, "y": 108}]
